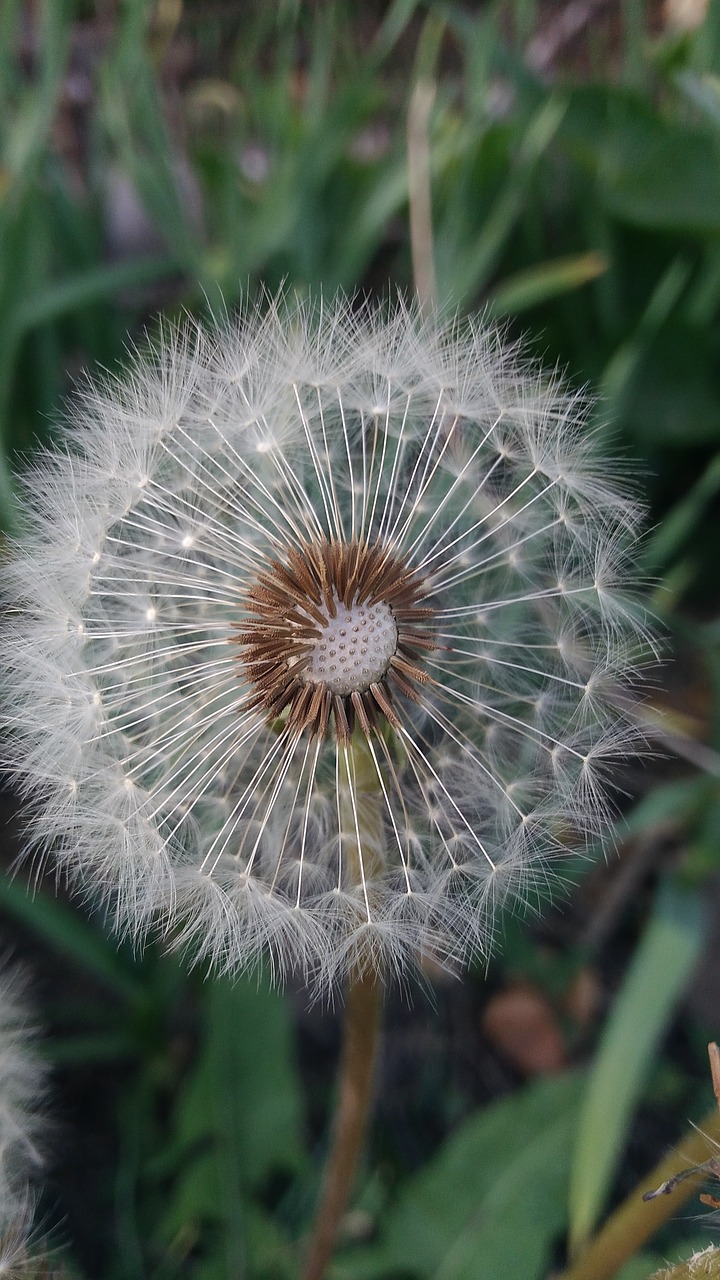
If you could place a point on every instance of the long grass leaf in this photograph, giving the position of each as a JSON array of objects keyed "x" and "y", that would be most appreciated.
[{"x": 657, "y": 976}]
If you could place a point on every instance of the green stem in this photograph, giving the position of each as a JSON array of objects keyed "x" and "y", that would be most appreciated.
[
  {"x": 361, "y": 818},
  {"x": 352, "y": 1111},
  {"x": 702, "y": 1266}
]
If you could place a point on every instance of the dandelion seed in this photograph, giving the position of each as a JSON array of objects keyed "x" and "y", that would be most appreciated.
[
  {"x": 21, "y": 1090},
  {"x": 317, "y": 628}
]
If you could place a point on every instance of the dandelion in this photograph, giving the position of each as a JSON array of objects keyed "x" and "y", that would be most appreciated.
[
  {"x": 21, "y": 1089},
  {"x": 318, "y": 625}
]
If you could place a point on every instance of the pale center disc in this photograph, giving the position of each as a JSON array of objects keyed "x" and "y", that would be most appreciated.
[{"x": 354, "y": 648}]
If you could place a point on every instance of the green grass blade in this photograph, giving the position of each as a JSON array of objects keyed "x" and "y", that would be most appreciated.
[
  {"x": 670, "y": 536},
  {"x": 94, "y": 285},
  {"x": 703, "y": 92},
  {"x": 539, "y": 284},
  {"x": 657, "y": 976},
  {"x": 664, "y": 299},
  {"x": 465, "y": 268},
  {"x": 63, "y": 929},
  {"x": 394, "y": 23}
]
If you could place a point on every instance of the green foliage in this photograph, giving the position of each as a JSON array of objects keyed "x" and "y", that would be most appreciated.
[
  {"x": 237, "y": 1122},
  {"x": 492, "y": 1201},
  {"x": 663, "y": 961}
]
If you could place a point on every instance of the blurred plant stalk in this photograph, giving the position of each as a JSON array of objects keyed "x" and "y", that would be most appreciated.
[
  {"x": 654, "y": 1200},
  {"x": 702, "y": 1265}
]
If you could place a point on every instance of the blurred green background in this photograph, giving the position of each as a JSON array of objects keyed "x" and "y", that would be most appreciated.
[{"x": 180, "y": 155}]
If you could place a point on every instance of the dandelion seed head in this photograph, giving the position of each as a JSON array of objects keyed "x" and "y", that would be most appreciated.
[{"x": 317, "y": 627}]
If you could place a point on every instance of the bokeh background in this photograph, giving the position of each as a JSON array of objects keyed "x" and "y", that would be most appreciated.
[{"x": 159, "y": 157}]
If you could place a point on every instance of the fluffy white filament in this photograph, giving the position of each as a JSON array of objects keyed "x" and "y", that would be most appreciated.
[
  {"x": 154, "y": 778},
  {"x": 22, "y": 1087}
]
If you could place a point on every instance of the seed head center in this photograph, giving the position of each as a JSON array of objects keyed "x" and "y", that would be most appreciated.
[
  {"x": 353, "y": 649},
  {"x": 334, "y": 633}
]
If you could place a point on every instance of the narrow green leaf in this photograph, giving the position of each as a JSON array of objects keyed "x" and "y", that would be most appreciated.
[
  {"x": 94, "y": 285},
  {"x": 680, "y": 522},
  {"x": 657, "y": 976},
  {"x": 62, "y": 928},
  {"x": 25, "y": 135},
  {"x": 538, "y": 284},
  {"x": 393, "y": 25},
  {"x": 677, "y": 802},
  {"x": 467, "y": 268},
  {"x": 664, "y": 298}
]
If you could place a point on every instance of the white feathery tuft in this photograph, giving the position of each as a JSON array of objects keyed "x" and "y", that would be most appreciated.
[{"x": 22, "y": 1089}]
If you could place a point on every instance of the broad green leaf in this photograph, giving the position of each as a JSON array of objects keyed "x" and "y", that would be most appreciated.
[
  {"x": 244, "y": 1089},
  {"x": 492, "y": 1202},
  {"x": 632, "y": 149},
  {"x": 672, "y": 397},
  {"x": 637, "y": 165},
  {"x": 655, "y": 980},
  {"x": 237, "y": 1122}
]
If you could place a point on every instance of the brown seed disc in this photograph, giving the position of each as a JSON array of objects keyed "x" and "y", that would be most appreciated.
[{"x": 335, "y": 627}]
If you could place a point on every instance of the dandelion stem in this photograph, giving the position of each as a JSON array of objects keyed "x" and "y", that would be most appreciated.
[
  {"x": 359, "y": 814},
  {"x": 352, "y": 1110},
  {"x": 705, "y": 1265}
]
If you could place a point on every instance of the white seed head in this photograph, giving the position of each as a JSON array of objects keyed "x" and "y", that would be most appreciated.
[{"x": 317, "y": 628}]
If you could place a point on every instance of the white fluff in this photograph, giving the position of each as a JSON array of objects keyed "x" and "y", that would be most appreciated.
[{"x": 22, "y": 1087}]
